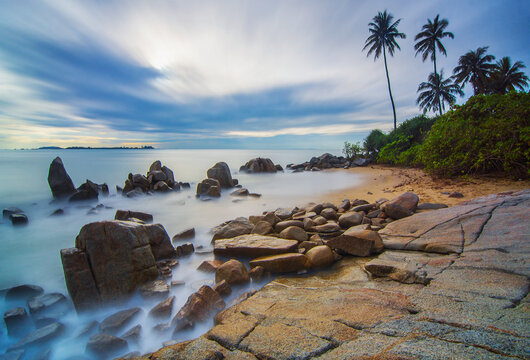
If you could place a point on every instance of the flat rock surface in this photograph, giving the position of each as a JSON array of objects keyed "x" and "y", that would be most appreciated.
[
  {"x": 453, "y": 283},
  {"x": 253, "y": 246}
]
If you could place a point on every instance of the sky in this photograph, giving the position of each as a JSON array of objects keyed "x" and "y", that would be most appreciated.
[{"x": 275, "y": 74}]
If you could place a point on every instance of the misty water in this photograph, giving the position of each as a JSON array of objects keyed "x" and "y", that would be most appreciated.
[{"x": 30, "y": 254}]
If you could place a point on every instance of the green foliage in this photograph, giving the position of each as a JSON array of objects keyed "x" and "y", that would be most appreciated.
[
  {"x": 375, "y": 141},
  {"x": 487, "y": 133},
  {"x": 352, "y": 150},
  {"x": 403, "y": 143}
]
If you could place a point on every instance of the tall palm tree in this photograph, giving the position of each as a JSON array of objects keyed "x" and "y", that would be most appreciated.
[
  {"x": 475, "y": 67},
  {"x": 383, "y": 35},
  {"x": 436, "y": 92},
  {"x": 506, "y": 77},
  {"x": 430, "y": 38}
]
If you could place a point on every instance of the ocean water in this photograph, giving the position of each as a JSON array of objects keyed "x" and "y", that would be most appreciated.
[{"x": 30, "y": 254}]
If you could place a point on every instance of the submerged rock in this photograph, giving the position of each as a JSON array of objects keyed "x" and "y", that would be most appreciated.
[
  {"x": 40, "y": 336},
  {"x": 23, "y": 292},
  {"x": 17, "y": 322},
  {"x": 118, "y": 321},
  {"x": 104, "y": 345}
]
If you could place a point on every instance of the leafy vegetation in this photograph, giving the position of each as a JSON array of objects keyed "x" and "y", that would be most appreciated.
[
  {"x": 488, "y": 133},
  {"x": 374, "y": 142},
  {"x": 352, "y": 150}
]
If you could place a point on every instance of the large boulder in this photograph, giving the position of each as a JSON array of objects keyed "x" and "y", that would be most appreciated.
[
  {"x": 294, "y": 233},
  {"x": 358, "y": 241},
  {"x": 320, "y": 256},
  {"x": 112, "y": 259},
  {"x": 253, "y": 246},
  {"x": 221, "y": 172},
  {"x": 87, "y": 191},
  {"x": 209, "y": 187},
  {"x": 198, "y": 307},
  {"x": 233, "y": 272},
  {"x": 402, "y": 206},
  {"x": 259, "y": 165},
  {"x": 231, "y": 229},
  {"x": 60, "y": 182}
]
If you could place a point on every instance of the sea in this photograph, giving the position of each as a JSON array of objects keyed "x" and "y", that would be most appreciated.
[{"x": 30, "y": 254}]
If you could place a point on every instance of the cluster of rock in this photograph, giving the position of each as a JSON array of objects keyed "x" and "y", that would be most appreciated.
[
  {"x": 33, "y": 322},
  {"x": 260, "y": 165},
  {"x": 328, "y": 161},
  {"x": 158, "y": 179},
  {"x": 15, "y": 215},
  {"x": 218, "y": 177},
  {"x": 62, "y": 186}
]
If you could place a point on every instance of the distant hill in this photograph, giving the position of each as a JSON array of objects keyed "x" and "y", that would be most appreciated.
[{"x": 95, "y": 148}]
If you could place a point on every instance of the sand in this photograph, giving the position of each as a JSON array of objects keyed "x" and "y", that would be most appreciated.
[{"x": 380, "y": 181}]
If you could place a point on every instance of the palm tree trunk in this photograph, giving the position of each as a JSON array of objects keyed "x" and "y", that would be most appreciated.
[
  {"x": 435, "y": 73},
  {"x": 390, "y": 90}
]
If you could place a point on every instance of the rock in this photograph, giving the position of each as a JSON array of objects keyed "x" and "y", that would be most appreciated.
[
  {"x": 221, "y": 172},
  {"x": 430, "y": 206},
  {"x": 316, "y": 208},
  {"x": 456, "y": 194},
  {"x": 283, "y": 213},
  {"x": 327, "y": 228},
  {"x": 344, "y": 206},
  {"x": 329, "y": 213},
  {"x": 118, "y": 321},
  {"x": 358, "y": 242},
  {"x": 256, "y": 273},
  {"x": 7, "y": 212},
  {"x": 60, "y": 183},
  {"x": 294, "y": 233},
  {"x": 139, "y": 180},
  {"x": 259, "y": 165},
  {"x": 133, "y": 334},
  {"x": 23, "y": 292},
  {"x": 306, "y": 245},
  {"x": 157, "y": 176},
  {"x": 198, "y": 307},
  {"x": 17, "y": 322},
  {"x": 233, "y": 272},
  {"x": 127, "y": 214},
  {"x": 223, "y": 288},
  {"x": 170, "y": 178},
  {"x": 162, "y": 310},
  {"x": 240, "y": 226},
  {"x": 402, "y": 206},
  {"x": 361, "y": 161},
  {"x": 289, "y": 262},
  {"x": 161, "y": 186},
  {"x": 40, "y": 336},
  {"x": 57, "y": 212},
  {"x": 349, "y": 219},
  {"x": 105, "y": 345},
  {"x": 320, "y": 256},
  {"x": 240, "y": 192},
  {"x": 87, "y": 191},
  {"x": 155, "y": 166},
  {"x": 184, "y": 235},
  {"x": 279, "y": 227},
  {"x": 45, "y": 302},
  {"x": 320, "y": 220},
  {"x": 18, "y": 219},
  {"x": 177, "y": 283},
  {"x": 154, "y": 289},
  {"x": 253, "y": 246},
  {"x": 309, "y": 224},
  {"x": 185, "y": 249},
  {"x": 121, "y": 255},
  {"x": 210, "y": 266},
  {"x": 133, "y": 193},
  {"x": 262, "y": 228},
  {"x": 364, "y": 207}
]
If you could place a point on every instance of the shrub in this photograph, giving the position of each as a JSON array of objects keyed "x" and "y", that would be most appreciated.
[
  {"x": 375, "y": 141},
  {"x": 487, "y": 133},
  {"x": 403, "y": 142},
  {"x": 352, "y": 150}
]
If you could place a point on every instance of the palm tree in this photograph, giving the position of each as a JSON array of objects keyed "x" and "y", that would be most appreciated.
[
  {"x": 383, "y": 35},
  {"x": 475, "y": 67},
  {"x": 506, "y": 77},
  {"x": 436, "y": 92},
  {"x": 430, "y": 38}
]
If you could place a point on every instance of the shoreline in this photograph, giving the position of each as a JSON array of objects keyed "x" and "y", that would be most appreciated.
[{"x": 380, "y": 181}]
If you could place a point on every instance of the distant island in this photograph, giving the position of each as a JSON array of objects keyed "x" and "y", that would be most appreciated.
[{"x": 147, "y": 147}]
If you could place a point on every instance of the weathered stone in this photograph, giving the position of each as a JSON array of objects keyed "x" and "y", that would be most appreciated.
[
  {"x": 118, "y": 321},
  {"x": 133, "y": 334},
  {"x": 329, "y": 213},
  {"x": 18, "y": 219},
  {"x": 60, "y": 183},
  {"x": 210, "y": 265},
  {"x": 256, "y": 273},
  {"x": 237, "y": 227},
  {"x": 279, "y": 227},
  {"x": 184, "y": 235},
  {"x": 17, "y": 322},
  {"x": 350, "y": 219},
  {"x": 23, "y": 292},
  {"x": 430, "y": 206},
  {"x": 154, "y": 289},
  {"x": 262, "y": 228},
  {"x": 162, "y": 310},
  {"x": 259, "y": 165},
  {"x": 402, "y": 206},
  {"x": 46, "y": 302},
  {"x": 87, "y": 191},
  {"x": 233, "y": 272},
  {"x": 155, "y": 166},
  {"x": 253, "y": 246},
  {"x": 198, "y": 307},
  {"x": 185, "y": 249},
  {"x": 329, "y": 227},
  {"x": 289, "y": 262},
  {"x": 344, "y": 206},
  {"x": 139, "y": 180},
  {"x": 221, "y": 172},
  {"x": 309, "y": 224},
  {"x": 240, "y": 192},
  {"x": 223, "y": 288},
  {"x": 7, "y": 212},
  {"x": 320, "y": 256},
  {"x": 104, "y": 345},
  {"x": 294, "y": 233},
  {"x": 357, "y": 241},
  {"x": 40, "y": 336},
  {"x": 79, "y": 279}
]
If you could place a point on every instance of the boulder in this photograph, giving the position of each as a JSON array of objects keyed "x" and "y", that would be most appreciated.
[
  {"x": 256, "y": 273},
  {"x": 23, "y": 292},
  {"x": 223, "y": 288},
  {"x": 294, "y": 233},
  {"x": 358, "y": 241},
  {"x": 184, "y": 235},
  {"x": 259, "y": 165},
  {"x": 60, "y": 183},
  {"x": 221, "y": 172},
  {"x": 87, "y": 191},
  {"x": 139, "y": 180},
  {"x": 45, "y": 302},
  {"x": 111, "y": 259},
  {"x": 17, "y": 322},
  {"x": 402, "y": 206},
  {"x": 350, "y": 219},
  {"x": 170, "y": 178},
  {"x": 157, "y": 176},
  {"x": 133, "y": 334},
  {"x": 128, "y": 214},
  {"x": 162, "y": 310},
  {"x": 240, "y": 192},
  {"x": 198, "y": 307},
  {"x": 253, "y": 246},
  {"x": 161, "y": 186},
  {"x": 344, "y": 206},
  {"x": 329, "y": 213},
  {"x": 105, "y": 345},
  {"x": 282, "y": 225},
  {"x": 40, "y": 336},
  {"x": 289, "y": 262},
  {"x": 7, "y": 212},
  {"x": 154, "y": 289},
  {"x": 210, "y": 266},
  {"x": 18, "y": 219},
  {"x": 233, "y": 272},
  {"x": 327, "y": 228},
  {"x": 320, "y": 256},
  {"x": 320, "y": 220},
  {"x": 209, "y": 187},
  {"x": 283, "y": 213},
  {"x": 262, "y": 228},
  {"x": 239, "y": 226},
  {"x": 118, "y": 321},
  {"x": 155, "y": 166}
]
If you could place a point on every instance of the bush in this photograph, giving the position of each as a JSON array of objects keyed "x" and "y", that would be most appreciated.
[
  {"x": 375, "y": 141},
  {"x": 403, "y": 143},
  {"x": 487, "y": 133},
  {"x": 352, "y": 150}
]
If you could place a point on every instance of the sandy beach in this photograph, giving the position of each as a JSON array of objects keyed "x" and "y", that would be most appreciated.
[{"x": 379, "y": 181}]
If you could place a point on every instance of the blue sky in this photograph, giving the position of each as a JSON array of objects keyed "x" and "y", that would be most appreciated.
[{"x": 223, "y": 74}]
